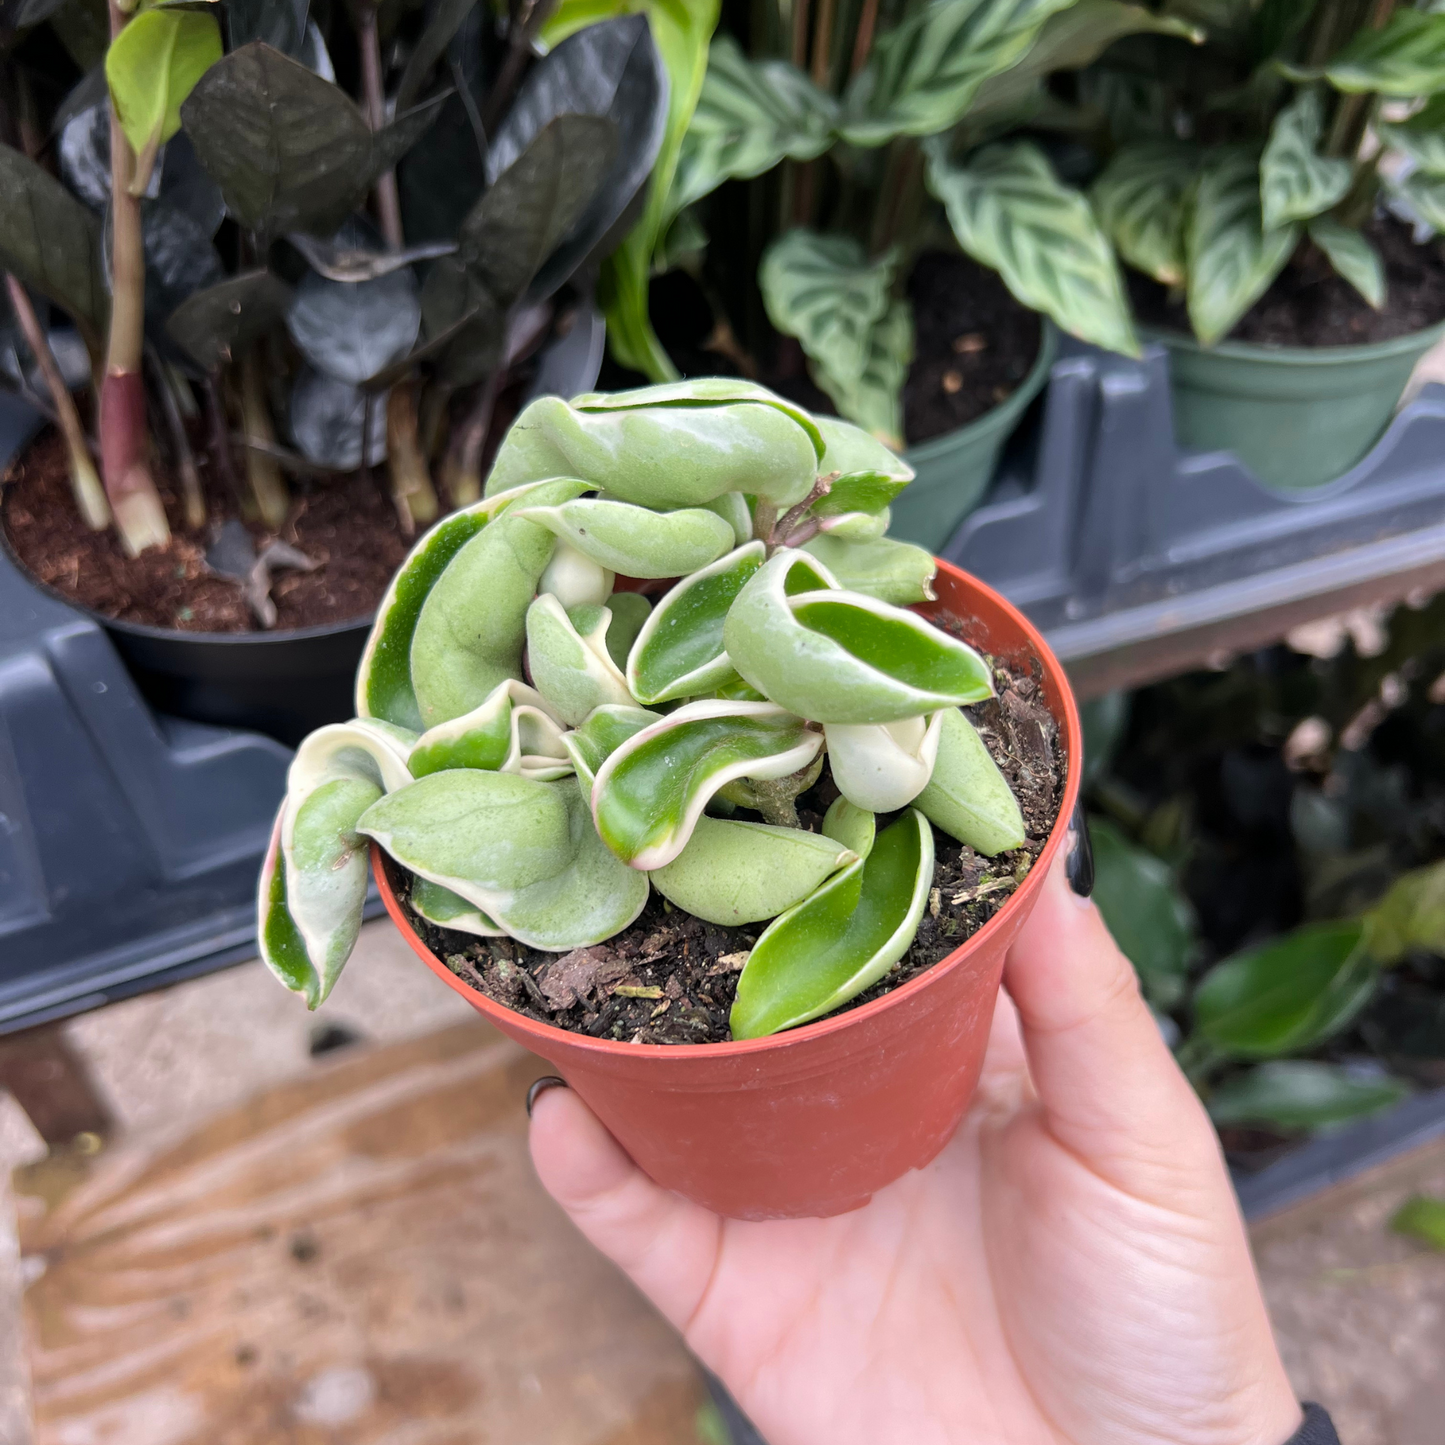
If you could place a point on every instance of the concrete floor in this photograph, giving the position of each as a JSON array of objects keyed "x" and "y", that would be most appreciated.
[{"x": 1359, "y": 1311}]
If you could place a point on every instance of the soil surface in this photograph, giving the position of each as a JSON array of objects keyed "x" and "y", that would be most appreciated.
[
  {"x": 1310, "y": 305},
  {"x": 670, "y": 978}
]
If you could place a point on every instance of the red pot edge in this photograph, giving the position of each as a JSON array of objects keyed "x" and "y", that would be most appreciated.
[{"x": 517, "y": 1023}]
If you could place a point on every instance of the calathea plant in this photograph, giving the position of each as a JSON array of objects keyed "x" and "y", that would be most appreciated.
[
  {"x": 1282, "y": 134},
  {"x": 879, "y": 108},
  {"x": 539, "y": 750},
  {"x": 334, "y": 280}
]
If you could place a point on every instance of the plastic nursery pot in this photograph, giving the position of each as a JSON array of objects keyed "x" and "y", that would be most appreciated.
[
  {"x": 954, "y": 470},
  {"x": 813, "y": 1120},
  {"x": 1295, "y": 416}
]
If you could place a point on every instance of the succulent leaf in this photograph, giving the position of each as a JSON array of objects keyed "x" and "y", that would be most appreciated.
[
  {"x": 844, "y": 938},
  {"x": 512, "y": 732},
  {"x": 891, "y": 571},
  {"x": 883, "y": 766},
  {"x": 967, "y": 796},
  {"x": 732, "y": 507},
  {"x": 869, "y": 474},
  {"x": 635, "y": 541},
  {"x": 733, "y": 872},
  {"x": 469, "y": 632},
  {"x": 857, "y": 527},
  {"x": 572, "y": 577},
  {"x": 842, "y": 657},
  {"x": 450, "y": 910},
  {"x": 601, "y": 734},
  {"x": 571, "y": 668},
  {"x": 648, "y": 796},
  {"x": 679, "y": 651},
  {"x": 630, "y": 611},
  {"x": 854, "y": 827}
]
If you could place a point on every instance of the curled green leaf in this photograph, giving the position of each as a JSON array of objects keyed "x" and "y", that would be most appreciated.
[
  {"x": 883, "y": 766},
  {"x": 966, "y": 795},
  {"x": 881, "y": 567},
  {"x": 869, "y": 476},
  {"x": 450, "y": 910},
  {"x": 514, "y": 731},
  {"x": 635, "y": 541},
  {"x": 630, "y": 611},
  {"x": 679, "y": 652},
  {"x": 854, "y": 827},
  {"x": 572, "y": 577},
  {"x": 648, "y": 796},
  {"x": 601, "y": 734},
  {"x": 858, "y": 527},
  {"x": 569, "y": 661},
  {"x": 732, "y": 507},
  {"x": 841, "y": 657},
  {"x": 844, "y": 938},
  {"x": 733, "y": 873}
]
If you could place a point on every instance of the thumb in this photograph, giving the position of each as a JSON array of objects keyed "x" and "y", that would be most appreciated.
[
  {"x": 665, "y": 1244},
  {"x": 1111, "y": 1090}
]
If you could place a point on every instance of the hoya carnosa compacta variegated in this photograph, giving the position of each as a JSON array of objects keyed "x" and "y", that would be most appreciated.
[{"x": 539, "y": 749}]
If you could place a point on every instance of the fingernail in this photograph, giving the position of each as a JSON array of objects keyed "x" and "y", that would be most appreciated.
[
  {"x": 540, "y": 1086},
  {"x": 1079, "y": 859}
]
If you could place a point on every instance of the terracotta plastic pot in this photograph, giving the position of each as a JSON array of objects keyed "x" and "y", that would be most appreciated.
[{"x": 812, "y": 1121}]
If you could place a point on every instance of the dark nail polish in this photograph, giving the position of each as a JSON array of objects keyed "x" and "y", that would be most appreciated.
[
  {"x": 1079, "y": 861},
  {"x": 540, "y": 1086}
]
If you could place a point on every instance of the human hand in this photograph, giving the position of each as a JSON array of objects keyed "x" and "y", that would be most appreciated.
[{"x": 1071, "y": 1270}]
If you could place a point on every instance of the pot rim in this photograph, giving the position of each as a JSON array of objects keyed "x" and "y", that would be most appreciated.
[
  {"x": 548, "y": 1034},
  {"x": 1321, "y": 356},
  {"x": 996, "y": 417}
]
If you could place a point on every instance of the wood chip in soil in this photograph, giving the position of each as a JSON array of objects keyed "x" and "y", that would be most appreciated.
[{"x": 670, "y": 978}]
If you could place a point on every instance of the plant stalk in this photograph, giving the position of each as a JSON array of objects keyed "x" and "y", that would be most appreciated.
[
  {"x": 84, "y": 479},
  {"x": 124, "y": 435},
  {"x": 863, "y": 38},
  {"x": 462, "y": 469},
  {"x": 388, "y": 201},
  {"x": 268, "y": 488},
  {"x": 192, "y": 496},
  {"x": 220, "y": 434},
  {"x": 411, "y": 488},
  {"x": 822, "y": 46}
]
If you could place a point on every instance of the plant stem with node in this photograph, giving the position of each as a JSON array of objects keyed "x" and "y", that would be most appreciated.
[
  {"x": 462, "y": 469},
  {"x": 191, "y": 494},
  {"x": 124, "y": 435},
  {"x": 84, "y": 479},
  {"x": 268, "y": 489}
]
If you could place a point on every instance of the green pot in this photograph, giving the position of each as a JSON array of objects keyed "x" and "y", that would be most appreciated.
[
  {"x": 954, "y": 470},
  {"x": 1295, "y": 416}
]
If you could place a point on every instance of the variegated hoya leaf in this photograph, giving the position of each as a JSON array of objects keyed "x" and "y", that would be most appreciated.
[
  {"x": 1011, "y": 213},
  {"x": 1141, "y": 198},
  {"x": 854, "y": 827},
  {"x": 601, "y": 734},
  {"x": 883, "y": 766},
  {"x": 648, "y": 796},
  {"x": 568, "y": 658},
  {"x": 839, "y": 657},
  {"x": 513, "y": 731},
  {"x": 869, "y": 474},
  {"x": 967, "y": 796},
  {"x": 637, "y": 542},
  {"x": 450, "y": 910},
  {"x": 573, "y": 578},
  {"x": 891, "y": 571},
  {"x": 857, "y": 527},
  {"x": 844, "y": 938},
  {"x": 1352, "y": 256},
  {"x": 1232, "y": 258},
  {"x": 1296, "y": 183}
]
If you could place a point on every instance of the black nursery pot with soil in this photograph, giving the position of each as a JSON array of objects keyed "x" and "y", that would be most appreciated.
[{"x": 1306, "y": 383}]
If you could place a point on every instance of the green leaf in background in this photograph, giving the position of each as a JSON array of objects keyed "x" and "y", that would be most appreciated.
[
  {"x": 681, "y": 30},
  {"x": 1287, "y": 995},
  {"x": 151, "y": 67},
  {"x": 1405, "y": 58},
  {"x": 750, "y": 115},
  {"x": 1232, "y": 258},
  {"x": 1410, "y": 916},
  {"x": 51, "y": 242},
  {"x": 1421, "y": 137},
  {"x": 844, "y": 938},
  {"x": 873, "y": 400},
  {"x": 1354, "y": 257},
  {"x": 1422, "y": 1218},
  {"x": 1425, "y": 195},
  {"x": 924, "y": 73},
  {"x": 1011, "y": 213},
  {"x": 827, "y": 292},
  {"x": 1302, "y": 1094},
  {"x": 1142, "y": 200},
  {"x": 1149, "y": 917},
  {"x": 1296, "y": 183}
]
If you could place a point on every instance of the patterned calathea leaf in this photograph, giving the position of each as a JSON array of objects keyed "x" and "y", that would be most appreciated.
[
  {"x": 568, "y": 658},
  {"x": 733, "y": 872},
  {"x": 629, "y": 445},
  {"x": 844, "y": 938},
  {"x": 648, "y": 796},
  {"x": 524, "y": 853},
  {"x": 313, "y": 883},
  {"x": 602, "y": 732},
  {"x": 966, "y": 795},
  {"x": 1352, "y": 256},
  {"x": 514, "y": 731},
  {"x": 637, "y": 542},
  {"x": 874, "y": 399},
  {"x": 839, "y": 657},
  {"x": 679, "y": 652},
  {"x": 1421, "y": 137},
  {"x": 1405, "y": 58},
  {"x": 1296, "y": 183},
  {"x": 450, "y": 910},
  {"x": 750, "y": 115},
  {"x": 1232, "y": 256},
  {"x": 884, "y": 766},
  {"x": 896, "y": 572},
  {"x": 1142, "y": 198},
  {"x": 924, "y": 74},
  {"x": 1010, "y": 212}
]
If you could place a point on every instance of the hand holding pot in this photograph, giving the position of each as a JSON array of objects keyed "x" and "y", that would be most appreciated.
[{"x": 1072, "y": 1268}]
